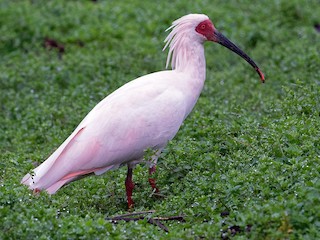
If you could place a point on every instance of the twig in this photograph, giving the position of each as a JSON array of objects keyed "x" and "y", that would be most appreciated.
[
  {"x": 152, "y": 220},
  {"x": 158, "y": 195},
  {"x": 127, "y": 219},
  {"x": 158, "y": 223},
  {"x": 178, "y": 218},
  {"x": 121, "y": 217}
]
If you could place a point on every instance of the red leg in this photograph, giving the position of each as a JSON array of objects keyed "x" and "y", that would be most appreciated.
[
  {"x": 152, "y": 181},
  {"x": 129, "y": 188}
]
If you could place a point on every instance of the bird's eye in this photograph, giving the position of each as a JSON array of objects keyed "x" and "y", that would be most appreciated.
[{"x": 203, "y": 26}]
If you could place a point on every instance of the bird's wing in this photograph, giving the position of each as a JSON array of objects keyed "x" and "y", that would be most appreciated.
[{"x": 145, "y": 113}]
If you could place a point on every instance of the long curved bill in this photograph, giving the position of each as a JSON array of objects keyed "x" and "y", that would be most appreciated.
[{"x": 221, "y": 39}]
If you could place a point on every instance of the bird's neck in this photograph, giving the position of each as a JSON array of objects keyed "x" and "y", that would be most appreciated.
[{"x": 189, "y": 58}]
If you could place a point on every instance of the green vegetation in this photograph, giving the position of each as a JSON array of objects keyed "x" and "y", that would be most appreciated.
[{"x": 245, "y": 164}]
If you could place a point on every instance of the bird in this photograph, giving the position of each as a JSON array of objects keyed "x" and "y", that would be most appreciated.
[{"x": 138, "y": 119}]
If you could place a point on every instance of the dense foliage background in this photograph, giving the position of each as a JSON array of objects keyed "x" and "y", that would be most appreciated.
[{"x": 244, "y": 165}]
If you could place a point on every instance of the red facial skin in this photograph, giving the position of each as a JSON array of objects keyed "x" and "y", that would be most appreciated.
[{"x": 206, "y": 29}]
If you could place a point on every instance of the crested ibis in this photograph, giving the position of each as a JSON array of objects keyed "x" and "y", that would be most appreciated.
[{"x": 142, "y": 115}]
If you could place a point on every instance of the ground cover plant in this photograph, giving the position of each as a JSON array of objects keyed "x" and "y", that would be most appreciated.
[{"x": 245, "y": 164}]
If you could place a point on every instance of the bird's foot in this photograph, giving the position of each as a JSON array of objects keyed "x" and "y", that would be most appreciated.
[
  {"x": 36, "y": 191},
  {"x": 152, "y": 182}
]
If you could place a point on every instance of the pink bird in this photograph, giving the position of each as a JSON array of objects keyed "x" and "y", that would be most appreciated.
[{"x": 140, "y": 117}]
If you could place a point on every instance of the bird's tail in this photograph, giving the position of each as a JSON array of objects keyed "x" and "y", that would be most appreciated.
[
  {"x": 52, "y": 173},
  {"x": 68, "y": 163},
  {"x": 30, "y": 180}
]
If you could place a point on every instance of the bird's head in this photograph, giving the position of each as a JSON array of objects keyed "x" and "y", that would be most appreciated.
[{"x": 205, "y": 31}]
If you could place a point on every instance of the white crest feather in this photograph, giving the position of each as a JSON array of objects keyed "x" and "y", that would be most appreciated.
[{"x": 180, "y": 30}]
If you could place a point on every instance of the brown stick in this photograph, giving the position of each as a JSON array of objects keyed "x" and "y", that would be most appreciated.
[
  {"x": 127, "y": 219},
  {"x": 120, "y": 217},
  {"x": 155, "y": 220},
  {"x": 178, "y": 218},
  {"x": 158, "y": 195},
  {"x": 158, "y": 223}
]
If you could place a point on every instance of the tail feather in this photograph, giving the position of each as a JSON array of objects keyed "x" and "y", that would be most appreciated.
[
  {"x": 44, "y": 177},
  {"x": 27, "y": 180},
  {"x": 56, "y": 186}
]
